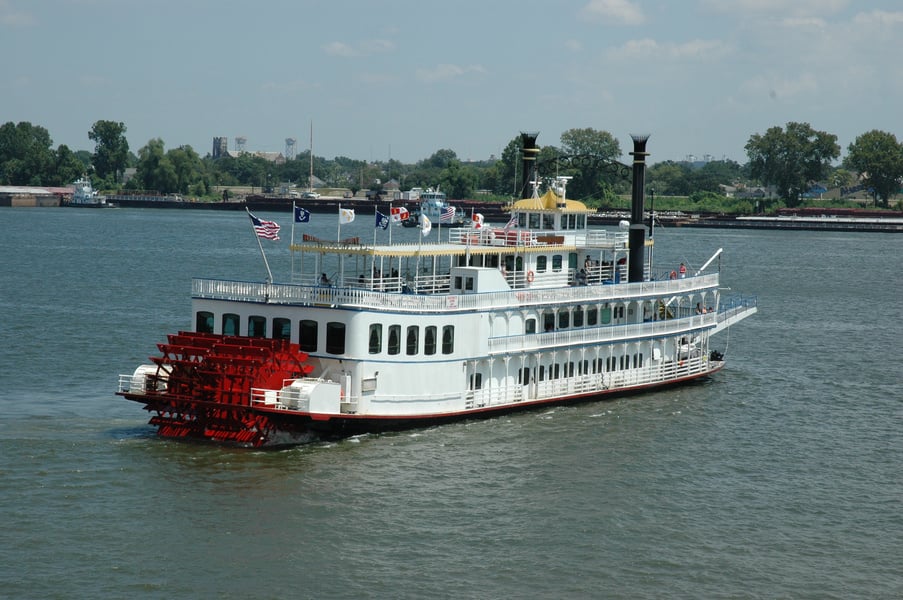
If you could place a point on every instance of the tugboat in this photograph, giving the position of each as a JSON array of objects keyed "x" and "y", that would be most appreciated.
[
  {"x": 544, "y": 311},
  {"x": 85, "y": 196},
  {"x": 435, "y": 206}
]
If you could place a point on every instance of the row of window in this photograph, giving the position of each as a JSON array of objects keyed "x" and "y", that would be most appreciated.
[
  {"x": 584, "y": 367},
  {"x": 558, "y": 371},
  {"x": 308, "y": 334},
  {"x": 547, "y": 221},
  {"x": 411, "y": 339},
  {"x": 590, "y": 316}
]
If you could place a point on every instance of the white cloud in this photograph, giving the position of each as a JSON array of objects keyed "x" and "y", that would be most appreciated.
[
  {"x": 620, "y": 11},
  {"x": 879, "y": 17},
  {"x": 780, "y": 87},
  {"x": 364, "y": 48},
  {"x": 446, "y": 72},
  {"x": 776, "y": 8},
  {"x": 691, "y": 50}
]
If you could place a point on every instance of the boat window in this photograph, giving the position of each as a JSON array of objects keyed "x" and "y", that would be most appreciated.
[
  {"x": 556, "y": 263},
  {"x": 548, "y": 321},
  {"x": 611, "y": 364},
  {"x": 556, "y": 369},
  {"x": 638, "y": 360},
  {"x": 521, "y": 220},
  {"x": 542, "y": 372},
  {"x": 394, "y": 339},
  {"x": 581, "y": 221},
  {"x": 570, "y": 369},
  {"x": 429, "y": 340},
  {"x": 605, "y": 315},
  {"x": 548, "y": 221},
  {"x": 335, "y": 337},
  {"x": 476, "y": 381},
  {"x": 572, "y": 260},
  {"x": 564, "y": 320},
  {"x": 307, "y": 335},
  {"x": 257, "y": 326},
  {"x": 468, "y": 283},
  {"x": 592, "y": 316},
  {"x": 619, "y": 312},
  {"x": 578, "y": 316},
  {"x": 413, "y": 341},
  {"x": 597, "y": 366},
  {"x": 204, "y": 322},
  {"x": 282, "y": 328},
  {"x": 530, "y": 326},
  {"x": 457, "y": 282},
  {"x": 625, "y": 362},
  {"x": 376, "y": 338},
  {"x": 534, "y": 221},
  {"x": 523, "y": 376},
  {"x": 509, "y": 263},
  {"x": 541, "y": 263},
  {"x": 230, "y": 324},
  {"x": 584, "y": 367},
  {"x": 448, "y": 339}
]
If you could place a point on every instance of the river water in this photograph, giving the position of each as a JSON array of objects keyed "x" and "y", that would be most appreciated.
[{"x": 781, "y": 477}]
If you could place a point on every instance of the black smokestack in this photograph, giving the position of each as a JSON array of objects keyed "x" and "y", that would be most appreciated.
[
  {"x": 637, "y": 228},
  {"x": 528, "y": 141}
]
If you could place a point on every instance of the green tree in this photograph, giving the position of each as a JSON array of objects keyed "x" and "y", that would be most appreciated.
[
  {"x": 791, "y": 159},
  {"x": 111, "y": 150},
  {"x": 189, "y": 171},
  {"x": 25, "y": 155},
  {"x": 67, "y": 166},
  {"x": 593, "y": 151},
  {"x": 878, "y": 158},
  {"x": 155, "y": 169}
]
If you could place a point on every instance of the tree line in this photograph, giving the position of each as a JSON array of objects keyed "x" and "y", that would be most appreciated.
[{"x": 788, "y": 159}]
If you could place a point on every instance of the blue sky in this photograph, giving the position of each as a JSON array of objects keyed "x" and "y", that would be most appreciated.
[{"x": 403, "y": 78}]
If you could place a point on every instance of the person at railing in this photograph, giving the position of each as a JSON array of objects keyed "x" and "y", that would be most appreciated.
[{"x": 324, "y": 280}]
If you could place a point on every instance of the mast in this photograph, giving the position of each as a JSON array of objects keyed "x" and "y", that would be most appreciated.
[{"x": 310, "y": 180}]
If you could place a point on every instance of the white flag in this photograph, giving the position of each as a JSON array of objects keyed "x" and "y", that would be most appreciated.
[
  {"x": 346, "y": 215},
  {"x": 425, "y": 224}
]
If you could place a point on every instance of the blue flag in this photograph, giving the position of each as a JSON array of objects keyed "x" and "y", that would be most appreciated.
[
  {"x": 382, "y": 221},
  {"x": 302, "y": 215}
]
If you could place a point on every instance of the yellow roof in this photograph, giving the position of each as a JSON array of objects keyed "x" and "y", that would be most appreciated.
[{"x": 549, "y": 202}]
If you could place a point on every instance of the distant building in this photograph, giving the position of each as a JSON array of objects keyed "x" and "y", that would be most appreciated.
[{"x": 220, "y": 146}]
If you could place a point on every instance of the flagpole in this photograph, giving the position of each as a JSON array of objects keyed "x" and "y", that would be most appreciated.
[
  {"x": 262, "y": 253},
  {"x": 292, "y": 243},
  {"x": 338, "y": 237},
  {"x": 375, "y": 212}
]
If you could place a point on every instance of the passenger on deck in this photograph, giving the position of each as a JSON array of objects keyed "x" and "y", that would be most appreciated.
[
  {"x": 324, "y": 280},
  {"x": 581, "y": 277}
]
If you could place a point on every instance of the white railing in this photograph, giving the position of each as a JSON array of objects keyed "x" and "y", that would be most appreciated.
[
  {"x": 593, "y": 335},
  {"x": 353, "y": 297}
]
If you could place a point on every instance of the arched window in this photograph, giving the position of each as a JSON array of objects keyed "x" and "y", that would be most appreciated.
[{"x": 204, "y": 322}]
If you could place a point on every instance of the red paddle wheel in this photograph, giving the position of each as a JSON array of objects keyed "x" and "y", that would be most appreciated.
[{"x": 203, "y": 382}]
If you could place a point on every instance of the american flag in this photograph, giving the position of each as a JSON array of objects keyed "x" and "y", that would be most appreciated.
[
  {"x": 265, "y": 229},
  {"x": 448, "y": 213},
  {"x": 511, "y": 222}
]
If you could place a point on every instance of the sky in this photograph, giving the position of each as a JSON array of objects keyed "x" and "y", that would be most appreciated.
[{"x": 400, "y": 79}]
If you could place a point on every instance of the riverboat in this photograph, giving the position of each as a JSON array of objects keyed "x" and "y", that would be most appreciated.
[
  {"x": 542, "y": 311},
  {"x": 85, "y": 196}
]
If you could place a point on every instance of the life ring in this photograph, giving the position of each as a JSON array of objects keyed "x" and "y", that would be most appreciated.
[{"x": 529, "y": 276}]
